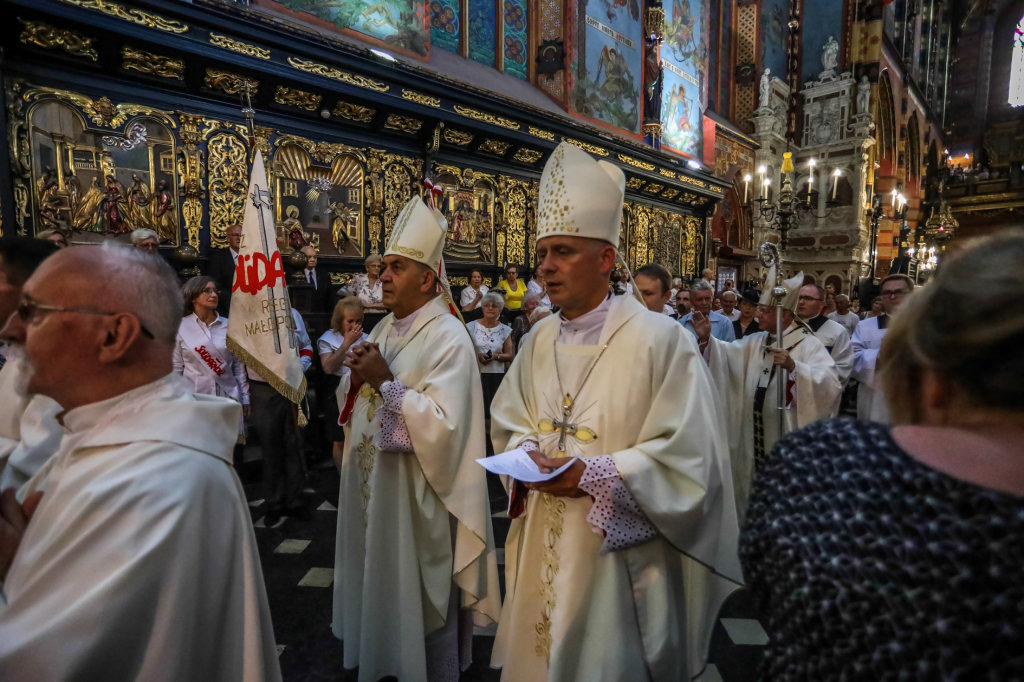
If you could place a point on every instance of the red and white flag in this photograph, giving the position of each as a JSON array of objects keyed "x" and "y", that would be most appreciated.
[{"x": 261, "y": 332}]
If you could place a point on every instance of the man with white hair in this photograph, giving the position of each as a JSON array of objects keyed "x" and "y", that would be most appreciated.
[
  {"x": 635, "y": 600},
  {"x": 729, "y": 300},
  {"x": 130, "y": 554},
  {"x": 844, "y": 316},
  {"x": 701, "y": 296},
  {"x": 146, "y": 240},
  {"x": 677, "y": 284}
]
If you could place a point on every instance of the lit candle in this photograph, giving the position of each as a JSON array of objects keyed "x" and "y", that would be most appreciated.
[
  {"x": 835, "y": 184},
  {"x": 810, "y": 181},
  {"x": 761, "y": 170},
  {"x": 746, "y": 186},
  {"x": 766, "y": 186}
]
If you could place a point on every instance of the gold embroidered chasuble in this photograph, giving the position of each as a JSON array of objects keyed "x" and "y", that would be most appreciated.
[
  {"x": 395, "y": 564},
  {"x": 645, "y": 612}
]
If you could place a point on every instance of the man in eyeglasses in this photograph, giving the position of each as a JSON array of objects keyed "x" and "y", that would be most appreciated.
[
  {"x": 866, "y": 342},
  {"x": 131, "y": 553},
  {"x": 831, "y": 334}
]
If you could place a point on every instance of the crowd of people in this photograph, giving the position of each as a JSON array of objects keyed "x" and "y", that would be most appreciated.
[{"x": 860, "y": 474}]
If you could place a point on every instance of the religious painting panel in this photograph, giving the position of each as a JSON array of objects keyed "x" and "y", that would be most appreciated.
[
  {"x": 319, "y": 202},
  {"x": 515, "y": 47},
  {"x": 403, "y": 26},
  {"x": 444, "y": 24},
  {"x": 93, "y": 183},
  {"x": 468, "y": 204},
  {"x": 607, "y": 70},
  {"x": 684, "y": 60},
  {"x": 482, "y": 31}
]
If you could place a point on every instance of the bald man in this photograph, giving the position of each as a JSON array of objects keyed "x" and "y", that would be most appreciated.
[
  {"x": 130, "y": 555},
  {"x": 318, "y": 278}
]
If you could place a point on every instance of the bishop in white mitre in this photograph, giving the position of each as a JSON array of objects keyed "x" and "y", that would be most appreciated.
[
  {"x": 615, "y": 570},
  {"x": 746, "y": 371},
  {"x": 415, "y": 563}
]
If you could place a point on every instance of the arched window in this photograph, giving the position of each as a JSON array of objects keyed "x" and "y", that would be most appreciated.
[{"x": 1017, "y": 67}]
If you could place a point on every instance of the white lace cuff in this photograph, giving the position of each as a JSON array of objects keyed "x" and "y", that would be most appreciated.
[
  {"x": 615, "y": 513},
  {"x": 394, "y": 436}
]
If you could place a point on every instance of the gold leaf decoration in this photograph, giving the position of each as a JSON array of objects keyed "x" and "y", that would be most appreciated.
[
  {"x": 464, "y": 281},
  {"x": 528, "y": 155},
  {"x": 135, "y": 16},
  {"x": 456, "y": 137},
  {"x": 157, "y": 65},
  {"x": 338, "y": 75},
  {"x": 297, "y": 98},
  {"x": 426, "y": 100},
  {"x": 353, "y": 112},
  {"x": 636, "y": 163},
  {"x": 542, "y": 134},
  {"x": 670, "y": 193},
  {"x": 342, "y": 277},
  {"x": 486, "y": 118},
  {"x": 44, "y": 35},
  {"x": 403, "y": 123},
  {"x": 229, "y": 179},
  {"x": 102, "y": 112},
  {"x": 323, "y": 152},
  {"x": 691, "y": 181},
  {"x": 229, "y": 83},
  {"x": 495, "y": 147},
  {"x": 635, "y": 183},
  {"x": 239, "y": 47},
  {"x": 716, "y": 189},
  {"x": 667, "y": 173},
  {"x": 586, "y": 147},
  {"x": 654, "y": 188},
  {"x": 687, "y": 197}
]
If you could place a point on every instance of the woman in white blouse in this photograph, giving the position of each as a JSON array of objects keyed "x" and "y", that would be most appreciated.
[
  {"x": 473, "y": 295},
  {"x": 200, "y": 350},
  {"x": 493, "y": 346},
  {"x": 538, "y": 286},
  {"x": 346, "y": 331},
  {"x": 368, "y": 288}
]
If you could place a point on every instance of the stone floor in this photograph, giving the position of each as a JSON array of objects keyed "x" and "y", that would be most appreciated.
[{"x": 298, "y": 561}]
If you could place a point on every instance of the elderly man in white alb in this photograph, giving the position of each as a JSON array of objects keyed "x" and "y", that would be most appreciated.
[
  {"x": 746, "y": 372},
  {"x": 625, "y": 389},
  {"x": 415, "y": 564},
  {"x": 130, "y": 555}
]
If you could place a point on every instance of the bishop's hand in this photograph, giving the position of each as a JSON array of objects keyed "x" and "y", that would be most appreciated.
[
  {"x": 366, "y": 360},
  {"x": 565, "y": 484},
  {"x": 783, "y": 359},
  {"x": 702, "y": 326},
  {"x": 14, "y": 518}
]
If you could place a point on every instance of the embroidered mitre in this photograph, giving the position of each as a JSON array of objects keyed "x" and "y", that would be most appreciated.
[
  {"x": 792, "y": 286},
  {"x": 580, "y": 197},
  {"x": 417, "y": 235}
]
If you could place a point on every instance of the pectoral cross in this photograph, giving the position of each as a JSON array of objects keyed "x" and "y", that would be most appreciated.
[{"x": 563, "y": 424}]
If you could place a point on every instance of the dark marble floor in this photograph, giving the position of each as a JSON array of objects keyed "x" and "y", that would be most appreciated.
[{"x": 298, "y": 561}]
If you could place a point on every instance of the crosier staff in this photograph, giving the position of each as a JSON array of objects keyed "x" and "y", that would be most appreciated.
[{"x": 769, "y": 256}]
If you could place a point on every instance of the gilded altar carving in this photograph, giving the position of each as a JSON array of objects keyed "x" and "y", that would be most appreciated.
[
  {"x": 635, "y": 183},
  {"x": 495, "y": 147},
  {"x": 464, "y": 281},
  {"x": 691, "y": 244},
  {"x": 228, "y": 184},
  {"x": 635, "y": 162},
  {"x": 692, "y": 181},
  {"x": 586, "y": 147},
  {"x": 43, "y": 35},
  {"x": 102, "y": 112},
  {"x": 339, "y": 278},
  {"x": 516, "y": 203},
  {"x": 337, "y": 74},
  {"x": 239, "y": 47},
  {"x": 155, "y": 64},
  {"x": 403, "y": 123},
  {"x": 324, "y": 152},
  {"x": 353, "y": 112},
  {"x": 456, "y": 137},
  {"x": 486, "y": 118},
  {"x": 469, "y": 202},
  {"x": 230, "y": 83},
  {"x": 20, "y": 205},
  {"x": 667, "y": 173},
  {"x": 688, "y": 197},
  {"x": 527, "y": 155},
  {"x": 639, "y": 232},
  {"x": 296, "y": 98},
  {"x": 190, "y": 174},
  {"x": 669, "y": 194},
  {"x": 420, "y": 98},
  {"x": 542, "y": 134},
  {"x": 396, "y": 194},
  {"x": 135, "y": 16},
  {"x": 375, "y": 196},
  {"x": 654, "y": 188}
]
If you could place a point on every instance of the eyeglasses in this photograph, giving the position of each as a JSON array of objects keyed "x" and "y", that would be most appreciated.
[
  {"x": 210, "y": 290},
  {"x": 765, "y": 309},
  {"x": 148, "y": 246},
  {"x": 894, "y": 294},
  {"x": 807, "y": 298},
  {"x": 28, "y": 310}
]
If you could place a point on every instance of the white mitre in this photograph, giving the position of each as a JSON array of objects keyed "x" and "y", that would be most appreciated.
[
  {"x": 792, "y": 286},
  {"x": 580, "y": 197},
  {"x": 417, "y": 235}
]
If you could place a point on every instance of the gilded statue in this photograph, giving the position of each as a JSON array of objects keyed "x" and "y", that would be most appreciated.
[
  {"x": 85, "y": 211},
  {"x": 165, "y": 213},
  {"x": 292, "y": 235},
  {"x": 342, "y": 222},
  {"x": 48, "y": 192},
  {"x": 113, "y": 207},
  {"x": 139, "y": 212}
]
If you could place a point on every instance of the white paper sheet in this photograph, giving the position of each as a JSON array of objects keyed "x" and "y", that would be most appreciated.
[{"x": 519, "y": 465}]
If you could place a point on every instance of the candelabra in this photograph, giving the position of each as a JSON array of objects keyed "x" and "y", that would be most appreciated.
[{"x": 877, "y": 213}]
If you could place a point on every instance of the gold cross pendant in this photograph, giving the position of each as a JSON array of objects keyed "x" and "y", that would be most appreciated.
[{"x": 565, "y": 427}]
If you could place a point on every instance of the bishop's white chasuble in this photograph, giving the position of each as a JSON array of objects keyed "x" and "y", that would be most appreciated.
[
  {"x": 644, "y": 612},
  {"x": 395, "y": 564},
  {"x": 745, "y": 379}
]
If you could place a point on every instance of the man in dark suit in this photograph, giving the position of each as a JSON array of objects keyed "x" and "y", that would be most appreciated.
[
  {"x": 221, "y": 267},
  {"x": 317, "y": 277}
]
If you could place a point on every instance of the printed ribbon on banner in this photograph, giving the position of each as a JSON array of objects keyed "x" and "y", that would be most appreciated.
[{"x": 261, "y": 332}]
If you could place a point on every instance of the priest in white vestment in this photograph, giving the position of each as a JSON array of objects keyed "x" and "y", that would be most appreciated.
[
  {"x": 415, "y": 547},
  {"x": 867, "y": 341},
  {"x": 130, "y": 555},
  {"x": 614, "y": 569},
  {"x": 832, "y": 335},
  {"x": 746, "y": 371}
]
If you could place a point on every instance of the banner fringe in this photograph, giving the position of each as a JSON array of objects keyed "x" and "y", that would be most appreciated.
[{"x": 296, "y": 395}]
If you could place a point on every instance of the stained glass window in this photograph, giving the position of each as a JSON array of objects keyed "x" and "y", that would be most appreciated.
[{"x": 1017, "y": 67}]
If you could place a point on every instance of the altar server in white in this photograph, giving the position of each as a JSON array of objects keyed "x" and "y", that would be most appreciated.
[
  {"x": 867, "y": 341},
  {"x": 831, "y": 333},
  {"x": 414, "y": 547},
  {"x": 746, "y": 372},
  {"x": 613, "y": 569},
  {"x": 139, "y": 562}
]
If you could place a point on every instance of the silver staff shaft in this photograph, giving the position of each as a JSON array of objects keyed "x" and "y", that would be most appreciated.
[
  {"x": 261, "y": 198},
  {"x": 780, "y": 376}
]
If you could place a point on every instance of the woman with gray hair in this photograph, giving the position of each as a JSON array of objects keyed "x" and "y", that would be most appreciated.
[
  {"x": 493, "y": 346},
  {"x": 522, "y": 324},
  {"x": 370, "y": 291},
  {"x": 898, "y": 551},
  {"x": 146, "y": 239},
  {"x": 200, "y": 349}
]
